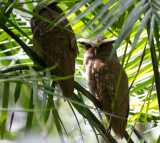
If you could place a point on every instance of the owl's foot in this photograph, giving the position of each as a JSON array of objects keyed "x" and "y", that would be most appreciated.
[{"x": 108, "y": 130}]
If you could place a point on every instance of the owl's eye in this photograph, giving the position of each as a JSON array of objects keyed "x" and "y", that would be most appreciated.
[{"x": 102, "y": 45}]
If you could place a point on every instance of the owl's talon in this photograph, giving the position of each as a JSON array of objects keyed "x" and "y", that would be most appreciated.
[{"x": 108, "y": 130}]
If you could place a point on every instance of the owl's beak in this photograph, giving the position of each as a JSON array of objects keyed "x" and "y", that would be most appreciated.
[{"x": 95, "y": 51}]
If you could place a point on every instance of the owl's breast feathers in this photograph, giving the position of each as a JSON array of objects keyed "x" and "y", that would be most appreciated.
[{"x": 56, "y": 45}]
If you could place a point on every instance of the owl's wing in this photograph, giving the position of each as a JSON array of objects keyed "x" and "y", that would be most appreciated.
[
  {"x": 123, "y": 95},
  {"x": 121, "y": 107},
  {"x": 56, "y": 45}
]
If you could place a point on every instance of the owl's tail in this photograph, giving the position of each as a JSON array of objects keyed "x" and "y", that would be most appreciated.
[
  {"x": 67, "y": 87},
  {"x": 118, "y": 125}
]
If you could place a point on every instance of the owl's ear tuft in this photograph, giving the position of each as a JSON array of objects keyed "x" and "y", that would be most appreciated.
[
  {"x": 83, "y": 41},
  {"x": 109, "y": 40}
]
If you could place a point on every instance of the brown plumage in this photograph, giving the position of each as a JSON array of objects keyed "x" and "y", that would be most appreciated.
[
  {"x": 102, "y": 75},
  {"x": 55, "y": 44}
]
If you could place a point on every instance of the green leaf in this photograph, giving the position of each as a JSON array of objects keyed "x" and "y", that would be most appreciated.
[
  {"x": 73, "y": 10},
  {"x": 45, "y": 96},
  {"x": 112, "y": 18},
  {"x": 142, "y": 25},
  {"x": 136, "y": 13},
  {"x": 30, "y": 114},
  {"x": 158, "y": 140},
  {"x": 17, "y": 92},
  {"x": 99, "y": 14},
  {"x": 57, "y": 123},
  {"x": 5, "y": 102},
  {"x": 89, "y": 9},
  {"x": 35, "y": 84}
]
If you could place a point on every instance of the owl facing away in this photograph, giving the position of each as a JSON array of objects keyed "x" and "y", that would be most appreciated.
[
  {"x": 102, "y": 72},
  {"x": 55, "y": 44}
]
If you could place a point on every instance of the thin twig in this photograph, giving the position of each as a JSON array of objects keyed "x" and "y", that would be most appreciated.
[
  {"x": 20, "y": 68},
  {"x": 138, "y": 68}
]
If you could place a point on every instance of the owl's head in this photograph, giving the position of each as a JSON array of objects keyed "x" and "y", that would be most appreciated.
[{"x": 96, "y": 42}]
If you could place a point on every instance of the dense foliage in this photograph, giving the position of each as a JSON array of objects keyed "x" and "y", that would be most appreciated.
[{"x": 29, "y": 99}]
